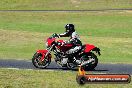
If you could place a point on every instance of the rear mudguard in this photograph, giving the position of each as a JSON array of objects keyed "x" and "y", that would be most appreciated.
[
  {"x": 43, "y": 53},
  {"x": 89, "y": 48}
]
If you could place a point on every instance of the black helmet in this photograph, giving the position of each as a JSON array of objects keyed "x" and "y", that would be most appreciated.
[{"x": 69, "y": 28}]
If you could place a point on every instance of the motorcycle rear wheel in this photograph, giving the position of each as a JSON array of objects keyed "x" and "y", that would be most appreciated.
[
  {"x": 70, "y": 66},
  {"x": 93, "y": 64}
]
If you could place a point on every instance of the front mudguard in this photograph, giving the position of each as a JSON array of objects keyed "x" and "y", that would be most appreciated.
[{"x": 43, "y": 53}]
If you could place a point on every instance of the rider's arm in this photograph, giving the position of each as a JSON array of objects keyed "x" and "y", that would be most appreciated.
[
  {"x": 74, "y": 41},
  {"x": 64, "y": 35}
]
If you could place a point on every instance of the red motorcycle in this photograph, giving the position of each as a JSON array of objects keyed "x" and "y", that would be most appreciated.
[{"x": 89, "y": 60}]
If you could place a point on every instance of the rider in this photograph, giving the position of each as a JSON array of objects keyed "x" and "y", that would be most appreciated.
[{"x": 74, "y": 39}]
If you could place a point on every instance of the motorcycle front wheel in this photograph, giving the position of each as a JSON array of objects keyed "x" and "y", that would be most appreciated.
[{"x": 38, "y": 63}]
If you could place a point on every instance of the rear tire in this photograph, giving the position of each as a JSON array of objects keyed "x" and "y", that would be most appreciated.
[
  {"x": 70, "y": 66},
  {"x": 38, "y": 63},
  {"x": 92, "y": 64}
]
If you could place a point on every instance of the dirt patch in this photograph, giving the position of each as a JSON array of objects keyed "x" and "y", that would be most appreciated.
[
  {"x": 75, "y": 1},
  {"x": 21, "y": 37},
  {"x": 128, "y": 11}
]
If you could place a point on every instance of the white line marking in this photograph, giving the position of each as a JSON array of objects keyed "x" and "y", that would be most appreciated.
[
  {"x": 14, "y": 68},
  {"x": 29, "y": 69}
]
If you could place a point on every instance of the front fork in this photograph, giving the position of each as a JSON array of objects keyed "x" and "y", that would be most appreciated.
[{"x": 49, "y": 50}]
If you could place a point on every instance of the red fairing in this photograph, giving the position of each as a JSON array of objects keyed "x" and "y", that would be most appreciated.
[
  {"x": 88, "y": 48},
  {"x": 50, "y": 41},
  {"x": 60, "y": 41},
  {"x": 43, "y": 52},
  {"x": 65, "y": 47}
]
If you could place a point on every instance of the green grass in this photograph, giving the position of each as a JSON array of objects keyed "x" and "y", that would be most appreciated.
[
  {"x": 64, "y": 4},
  {"x": 22, "y": 33},
  {"x": 100, "y": 24},
  {"x": 114, "y": 50},
  {"x": 46, "y": 79},
  {"x": 20, "y": 45}
]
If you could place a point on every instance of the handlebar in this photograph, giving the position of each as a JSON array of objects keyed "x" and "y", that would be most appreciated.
[{"x": 55, "y": 35}]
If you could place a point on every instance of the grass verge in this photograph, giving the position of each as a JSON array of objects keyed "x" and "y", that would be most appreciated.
[
  {"x": 99, "y": 24},
  {"x": 46, "y": 79},
  {"x": 64, "y": 4}
]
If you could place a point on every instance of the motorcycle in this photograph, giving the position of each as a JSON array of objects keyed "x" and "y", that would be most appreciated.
[{"x": 85, "y": 55}]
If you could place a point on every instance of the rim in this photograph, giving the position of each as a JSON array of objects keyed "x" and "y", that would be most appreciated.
[
  {"x": 70, "y": 65},
  {"x": 41, "y": 64},
  {"x": 90, "y": 58}
]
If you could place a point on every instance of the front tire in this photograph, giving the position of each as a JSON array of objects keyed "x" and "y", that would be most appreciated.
[{"x": 38, "y": 63}]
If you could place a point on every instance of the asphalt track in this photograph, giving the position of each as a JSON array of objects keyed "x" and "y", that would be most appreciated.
[{"x": 101, "y": 68}]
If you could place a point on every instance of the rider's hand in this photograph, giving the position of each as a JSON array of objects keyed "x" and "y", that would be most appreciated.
[{"x": 58, "y": 35}]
